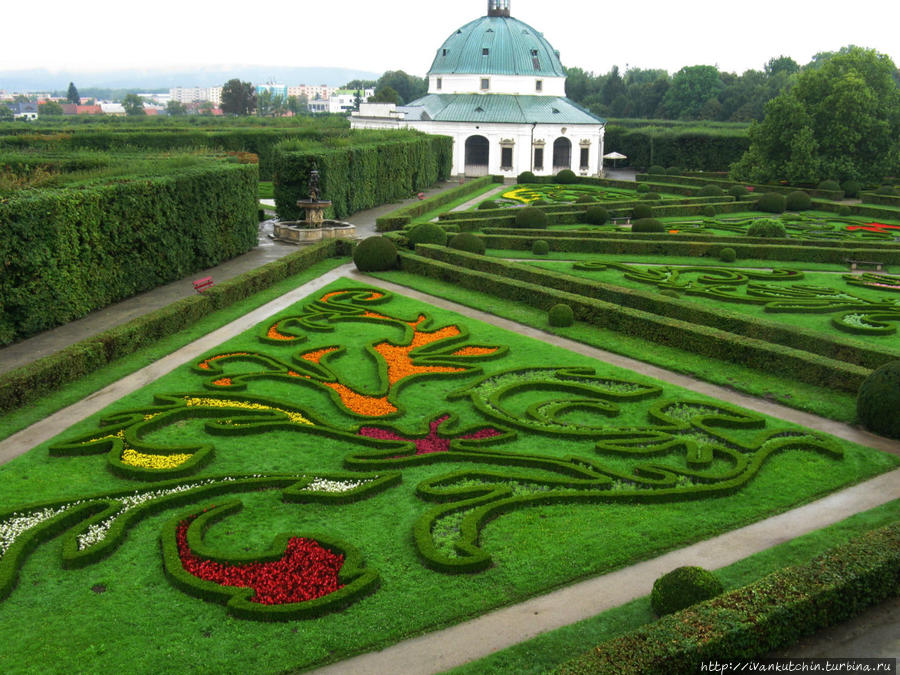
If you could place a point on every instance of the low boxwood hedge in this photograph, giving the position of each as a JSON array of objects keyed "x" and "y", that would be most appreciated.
[{"x": 771, "y": 614}]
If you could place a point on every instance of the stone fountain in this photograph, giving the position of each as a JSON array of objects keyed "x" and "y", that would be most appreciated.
[{"x": 315, "y": 227}]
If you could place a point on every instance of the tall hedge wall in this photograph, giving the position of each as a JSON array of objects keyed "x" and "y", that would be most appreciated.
[
  {"x": 67, "y": 252},
  {"x": 364, "y": 171},
  {"x": 693, "y": 148}
]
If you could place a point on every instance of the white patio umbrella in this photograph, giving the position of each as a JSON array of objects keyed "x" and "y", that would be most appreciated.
[{"x": 614, "y": 156}]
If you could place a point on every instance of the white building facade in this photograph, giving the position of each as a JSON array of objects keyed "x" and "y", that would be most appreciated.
[{"x": 497, "y": 87}]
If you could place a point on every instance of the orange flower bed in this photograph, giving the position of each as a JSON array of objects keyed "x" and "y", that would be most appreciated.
[
  {"x": 205, "y": 364},
  {"x": 315, "y": 356}
]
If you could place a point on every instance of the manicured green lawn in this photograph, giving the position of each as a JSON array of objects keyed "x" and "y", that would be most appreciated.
[{"x": 121, "y": 614}]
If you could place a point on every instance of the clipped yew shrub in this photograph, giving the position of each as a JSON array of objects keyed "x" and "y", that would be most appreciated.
[
  {"x": 566, "y": 177},
  {"x": 466, "y": 241},
  {"x": 596, "y": 215},
  {"x": 648, "y": 225},
  {"x": 531, "y": 218},
  {"x": 561, "y": 316},
  {"x": 851, "y": 188},
  {"x": 375, "y": 254},
  {"x": 427, "y": 233},
  {"x": 878, "y": 402},
  {"x": 653, "y": 196},
  {"x": 683, "y": 587},
  {"x": 540, "y": 247},
  {"x": 768, "y": 228},
  {"x": 673, "y": 171},
  {"x": 738, "y": 191},
  {"x": 710, "y": 191},
  {"x": 843, "y": 211},
  {"x": 527, "y": 177},
  {"x": 657, "y": 170},
  {"x": 798, "y": 201},
  {"x": 487, "y": 204},
  {"x": 727, "y": 255},
  {"x": 830, "y": 185},
  {"x": 709, "y": 211},
  {"x": 771, "y": 202},
  {"x": 585, "y": 199},
  {"x": 888, "y": 190},
  {"x": 642, "y": 211},
  {"x": 643, "y": 188},
  {"x": 669, "y": 293}
]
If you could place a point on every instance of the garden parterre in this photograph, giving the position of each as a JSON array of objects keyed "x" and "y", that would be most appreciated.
[{"x": 410, "y": 442}]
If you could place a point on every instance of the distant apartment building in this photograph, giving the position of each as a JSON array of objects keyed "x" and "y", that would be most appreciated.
[
  {"x": 272, "y": 88},
  {"x": 320, "y": 92},
  {"x": 188, "y": 95},
  {"x": 340, "y": 101}
]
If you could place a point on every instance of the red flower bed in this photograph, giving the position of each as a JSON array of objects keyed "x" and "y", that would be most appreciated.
[
  {"x": 432, "y": 442},
  {"x": 305, "y": 572}
]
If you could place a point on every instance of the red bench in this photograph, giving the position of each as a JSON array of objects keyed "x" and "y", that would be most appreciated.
[{"x": 202, "y": 284}]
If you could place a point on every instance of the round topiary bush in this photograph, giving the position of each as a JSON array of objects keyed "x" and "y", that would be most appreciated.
[
  {"x": 531, "y": 218},
  {"x": 466, "y": 241},
  {"x": 596, "y": 215},
  {"x": 727, "y": 255},
  {"x": 771, "y": 202},
  {"x": 843, "y": 211},
  {"x": 831, "y": 186},
  {"x": 768, "y": 228},
  {"x": 647, "y": 225},
  {"x": 566, "y": 177},
  {"x": 653, "y": 196},
  {"x": 878, "y": 402},
  {"x": 540, "y": 202},
  {"x": 669, "y": 293},
  {"x": 683, "y": 587},
  {"x": 643, "y": 188},
  {"x": 710, "y": 191},
  {"x": 585, "y": 199},
  {"x": 375, "y": 254},
  {"x": 487, "y": 204},
  {"x": 851, "y": 189},
  {"x": 657, "y": 170},
  {"x": 427, "y": 233},
  {"x": 738, "y": 191},
  {"x": 673, "y": 171},
  {"x": 709, "y": 211},
  {"x": 561, "y": 316},
  {"x": 798, "y": 201},
  {"x": 540, "y": 247},
  {"x": 642, "y": 211},
  {"x": 527, "y": 177},
  {"x": 887, "y": 190}
]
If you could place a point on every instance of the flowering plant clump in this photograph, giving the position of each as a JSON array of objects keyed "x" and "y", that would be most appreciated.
[
  {"x": 305, "y": 572},
  {"x": 334, "y": 486},
  {"x": 433, "y": 442}
]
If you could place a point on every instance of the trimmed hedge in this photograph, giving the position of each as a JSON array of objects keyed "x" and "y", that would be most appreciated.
[
  {"x": 468, "y": 242},
  {"x": 69, "y": 251},
  {"x": 28, "y": 383},
  {"x": 770, "y": 614},
  {"x": 683, "y": 587},
  {"x": 378, "y": 169},
  {"x": 397, "y": 220},
  {"x": 821, "y": 360},
  {"x": 376, "y": 254},
  {"x": 426, "y": 233},
  {"x": 878, "y": 403}
]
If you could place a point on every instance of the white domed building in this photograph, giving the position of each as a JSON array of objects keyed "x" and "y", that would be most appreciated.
[{"x": 498, "y": 88}]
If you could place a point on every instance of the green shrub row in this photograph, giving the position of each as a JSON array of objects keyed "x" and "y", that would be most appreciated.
[
  {"x": 883, "y": 200},
  {"x": 707, "y": 149},
  {"x": 857, "y": 245},
  {"x": 770, "y": 614},
  {"x": 651, "y": 317},
  {"x": 67, "y": 252},
  {"x": 397, "y": 220},
  {"x": 864, "y": 210},
  {"x": 724, "y": 183},
  {"x": 670, "y": 245},
  {"x": 383, "y": 168},
  {"x": 28, "y": 383}
]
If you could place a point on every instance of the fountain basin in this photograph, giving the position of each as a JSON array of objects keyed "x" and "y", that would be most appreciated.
[{"x": 299, "y": 231}]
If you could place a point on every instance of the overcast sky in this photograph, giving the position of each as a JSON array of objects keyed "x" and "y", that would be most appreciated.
[{"x": 404, "y": 34}]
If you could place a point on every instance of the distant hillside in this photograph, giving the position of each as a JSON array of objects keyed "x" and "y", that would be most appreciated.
[{"x": 44, "y": 80}]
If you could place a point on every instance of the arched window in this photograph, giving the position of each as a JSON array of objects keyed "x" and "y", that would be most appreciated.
[
  {"x": 478, "y": 154},
  {"x": 562, "y": 154}
]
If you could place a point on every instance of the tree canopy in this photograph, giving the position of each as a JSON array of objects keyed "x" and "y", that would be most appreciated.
[
  {"x": 72, "y": 94},
  {"x": 238, "y": 98},
  {"x": 407, "y": 87},
  {"x": 840, "y": 121},
  {"x": 134, "y": 105}
]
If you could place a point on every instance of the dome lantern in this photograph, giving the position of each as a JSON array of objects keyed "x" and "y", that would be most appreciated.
[{"x": 498, "y": 7}]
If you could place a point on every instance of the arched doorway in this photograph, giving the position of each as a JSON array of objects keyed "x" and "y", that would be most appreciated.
[
  {"x": 562, "y": 154},
  {"x": 478, "y": 155}
]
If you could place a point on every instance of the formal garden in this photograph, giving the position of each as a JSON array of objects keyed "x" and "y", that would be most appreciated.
[{"x": 362, "y": 465}]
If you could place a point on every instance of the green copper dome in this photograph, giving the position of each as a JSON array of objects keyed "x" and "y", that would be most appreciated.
[{"x": 497, "y": 45}]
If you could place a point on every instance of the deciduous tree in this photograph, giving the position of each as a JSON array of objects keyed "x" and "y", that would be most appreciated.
[{"x": 238, "y": 98}]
